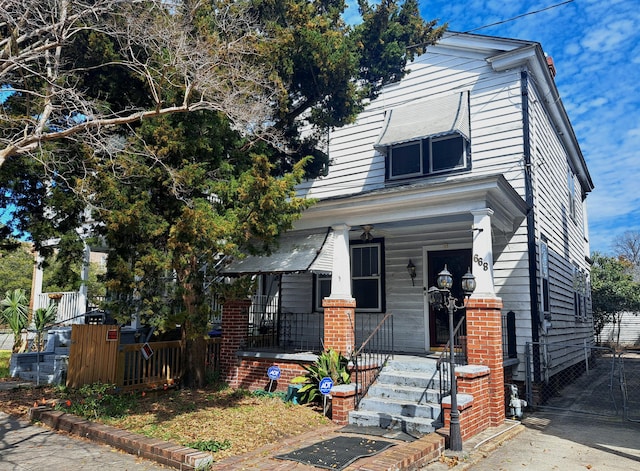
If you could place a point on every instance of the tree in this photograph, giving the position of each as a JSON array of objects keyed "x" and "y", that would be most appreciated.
[
  {"x": 184, "y": 131},
  {"x": 627, "y": 246},
  {"x": 58, "y": 59},
  {"x": 16, "y": 267},
  {"x": 614, "y": 291},
  {"x": 15, "y": 307},
  {"x": 42, "y": 318}
]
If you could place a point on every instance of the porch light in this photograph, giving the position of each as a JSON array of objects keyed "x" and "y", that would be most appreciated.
[
  {"x": 444, "y": 280},
  {"x": 468, "y": 283},
  {"x": 440, "y": 297},
  {"x": 411, "y": 268}
]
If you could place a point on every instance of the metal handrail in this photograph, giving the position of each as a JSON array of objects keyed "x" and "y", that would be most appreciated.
[
  {"x": 369, "y": 359},
  {"x": 442, "y": 363}
]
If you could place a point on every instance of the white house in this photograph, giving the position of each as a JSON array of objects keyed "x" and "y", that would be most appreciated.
[{"x": 468, "y": 161}]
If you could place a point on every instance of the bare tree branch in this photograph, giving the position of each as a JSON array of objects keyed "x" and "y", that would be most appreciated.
[{"x": 159, "y": 42}]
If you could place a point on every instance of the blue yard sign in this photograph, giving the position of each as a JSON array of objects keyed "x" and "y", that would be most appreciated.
[
  {"x": 273, "y": 373},
  {"x": 325, "y": 385}
]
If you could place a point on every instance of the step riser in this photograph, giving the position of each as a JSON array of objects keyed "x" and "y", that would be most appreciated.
[
  {"x": 412, "y": 381},
  {"x": 387, "y": 422},
  {"x": 392, "y": 391},
  {"x": 428, "y": 411}
]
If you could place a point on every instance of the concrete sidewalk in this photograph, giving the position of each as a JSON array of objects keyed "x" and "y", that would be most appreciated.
[
  {"x": 562, "y": 441},
  {"x": 26, "y": 447}
]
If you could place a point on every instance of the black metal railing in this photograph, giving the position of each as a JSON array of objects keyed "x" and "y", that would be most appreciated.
[
  {"x": 288, "y": 332},
  {"x": 459, "y": 352},
  {"x": 369, "y": 359}
]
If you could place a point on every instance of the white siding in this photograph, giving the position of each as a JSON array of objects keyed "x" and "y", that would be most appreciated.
[{"x": 496, "y": 123}]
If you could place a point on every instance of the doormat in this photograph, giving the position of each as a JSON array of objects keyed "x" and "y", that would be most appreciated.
[{"x": 336, "y": 453}]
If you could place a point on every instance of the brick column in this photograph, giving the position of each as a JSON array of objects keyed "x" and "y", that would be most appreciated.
[
  {"x": 484, "y": 347},
  {"x": 339, "y": 325},
  {"x": 235, "y": 330}
]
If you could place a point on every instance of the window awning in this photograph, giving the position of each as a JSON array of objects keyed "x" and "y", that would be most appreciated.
[
  {"x": 297, "y": 252},
  {"x": 430, "y": 118}
]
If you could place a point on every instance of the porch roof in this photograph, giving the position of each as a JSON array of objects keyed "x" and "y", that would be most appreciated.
[
  {"x": 297, "y": 252},
  {"x": 430, "y": 118}
]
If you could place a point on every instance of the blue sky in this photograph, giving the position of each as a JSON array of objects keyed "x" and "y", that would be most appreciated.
[{"x": 595, "y": 45}]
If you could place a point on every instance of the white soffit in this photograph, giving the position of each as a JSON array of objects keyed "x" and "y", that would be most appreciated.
[
  {"x": 430, "y": 118},
  {"x": 296, "y": 252}
]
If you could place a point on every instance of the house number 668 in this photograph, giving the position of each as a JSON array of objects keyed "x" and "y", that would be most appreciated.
[{"x": 481, "y": 263}]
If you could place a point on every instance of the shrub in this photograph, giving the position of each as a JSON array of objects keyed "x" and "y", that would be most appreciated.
[
  {"x": 330, "y": 364},
  {"x": 97, "y": 400}
]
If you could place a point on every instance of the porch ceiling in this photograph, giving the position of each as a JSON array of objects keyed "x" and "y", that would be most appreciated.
[{"x": 423, "y": 202}]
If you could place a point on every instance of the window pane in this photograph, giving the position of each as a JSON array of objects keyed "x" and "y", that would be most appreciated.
[
  {"x": 364, "y": 261},
  {"x": 405, "y": 160},
  {"x": 365, "y": 293},
  {"x": 447, "y": 153}
]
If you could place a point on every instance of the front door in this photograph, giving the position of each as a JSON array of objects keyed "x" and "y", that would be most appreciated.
[{"x": 457, "y": 262}]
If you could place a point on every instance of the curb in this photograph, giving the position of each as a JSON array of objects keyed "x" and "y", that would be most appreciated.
[{"x": 160, "y": 451}]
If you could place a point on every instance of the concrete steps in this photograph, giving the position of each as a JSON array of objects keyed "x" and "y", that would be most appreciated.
[{"x": 406, "y": 396}]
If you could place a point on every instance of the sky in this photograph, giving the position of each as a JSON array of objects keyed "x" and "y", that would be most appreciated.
[{"x": 595, "y": 45}]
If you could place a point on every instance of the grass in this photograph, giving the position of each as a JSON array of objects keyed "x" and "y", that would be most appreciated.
[
  {"x": 216, "y": 419},
  {"x": 5, "y": 356}
]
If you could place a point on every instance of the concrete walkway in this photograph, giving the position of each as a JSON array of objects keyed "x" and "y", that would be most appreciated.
[
  {"x": 561, "y": 441},
  {"x": 26, "y": 447}
]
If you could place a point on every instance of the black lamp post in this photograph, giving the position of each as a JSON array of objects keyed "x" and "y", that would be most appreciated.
[{"x": 441, "y": 297}]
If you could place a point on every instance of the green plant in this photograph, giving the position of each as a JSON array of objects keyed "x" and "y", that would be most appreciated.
[
  {"x": 330, "y": 364},
  {"x": 97, "y": 400},
  {"x": 14, "y": 314},
  {"x": 42, "y": 317},
  {"x": 5, "y": 356},
  {"x": 211, "y": 446}
]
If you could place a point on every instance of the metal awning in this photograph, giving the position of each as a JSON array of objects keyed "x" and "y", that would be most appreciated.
[
  {"x": 436, "y": 117},
  {"x": 297, "y": 252}
]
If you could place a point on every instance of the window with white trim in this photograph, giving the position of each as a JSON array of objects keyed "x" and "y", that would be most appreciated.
[{"x": 428, "y": 156}]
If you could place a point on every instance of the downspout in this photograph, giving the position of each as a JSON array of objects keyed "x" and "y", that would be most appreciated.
[{"x": 531, "y": 226}]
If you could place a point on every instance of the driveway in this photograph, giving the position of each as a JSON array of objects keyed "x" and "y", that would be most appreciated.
[
  {"x": 31, "y": 447},
  {"x": 567, "y": 442}
]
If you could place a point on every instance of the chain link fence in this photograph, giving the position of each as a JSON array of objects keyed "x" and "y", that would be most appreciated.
[
  {"x": 630, "y": 383},
  {"x": 580, "y": 378}
]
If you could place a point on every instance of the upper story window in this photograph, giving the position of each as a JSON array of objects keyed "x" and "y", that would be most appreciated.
[
  {"x": 427, "y": 137},
  {"x": 427, "y": 156}
]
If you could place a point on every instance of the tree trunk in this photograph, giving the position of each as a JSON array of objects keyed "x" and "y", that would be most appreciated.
[{"x": 194, "y": 355}]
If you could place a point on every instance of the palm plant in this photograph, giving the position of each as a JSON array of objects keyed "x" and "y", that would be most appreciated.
[
  {"x": 330, "y": 364},
  {"x": 42, "y": 317},
  {"x": 14, "y": 314}
]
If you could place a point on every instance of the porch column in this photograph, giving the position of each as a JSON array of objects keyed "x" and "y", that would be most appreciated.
[
  {"x": 484, "y": 347},
  {"x": 36, "y": 282},
  {"x": 341, "y": 271},
  {"x": 482, "y": 257},
  {"x": 235, "y": 330},
  {"x": 339, "y": 307}
]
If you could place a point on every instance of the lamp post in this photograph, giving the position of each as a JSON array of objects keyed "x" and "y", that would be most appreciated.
[{"x": 441, "y": 297}]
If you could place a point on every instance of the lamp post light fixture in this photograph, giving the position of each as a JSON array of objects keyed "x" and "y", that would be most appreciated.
[{"x": 440, "y": 297}]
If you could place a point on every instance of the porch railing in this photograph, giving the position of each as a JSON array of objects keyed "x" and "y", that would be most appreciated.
[
  {"x": 290, "y": 331},
  {"x": 372, "y": 355},
  {"x": 459, "y": 352},
  {"x": 69, "y": 309}
]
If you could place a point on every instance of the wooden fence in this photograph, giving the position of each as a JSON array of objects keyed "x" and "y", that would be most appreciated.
[{"x": 96, "y": 355}]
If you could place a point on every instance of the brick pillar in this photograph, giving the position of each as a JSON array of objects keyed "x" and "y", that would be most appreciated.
[
  {"x": 484, "y": 347},
  {"x": 235, "y": 330},
  {"x": 339, "y": 325}
]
